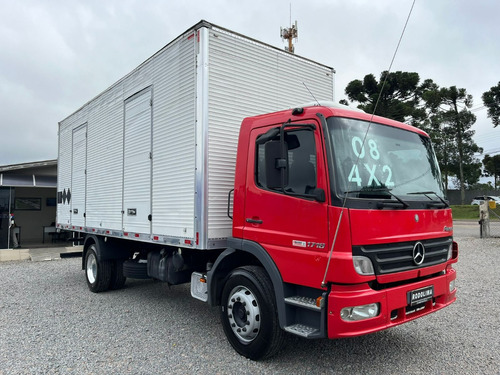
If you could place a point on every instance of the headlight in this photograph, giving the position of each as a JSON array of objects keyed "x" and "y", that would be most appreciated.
[
  {"x": 355, "y": 313},
  {"x": 363, "y": 265}
]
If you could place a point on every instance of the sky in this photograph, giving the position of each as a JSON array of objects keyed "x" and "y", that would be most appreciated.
[{"x": 56, "y": 55}]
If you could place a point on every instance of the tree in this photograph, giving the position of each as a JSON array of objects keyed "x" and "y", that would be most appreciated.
[
  {"x": 492, "y": 168},
  {"x": 491, "y": 99},
  {"x": 444, "y": 146},
  {"x": 457, "y": 120},
  {"x": 397, "y": 100}
]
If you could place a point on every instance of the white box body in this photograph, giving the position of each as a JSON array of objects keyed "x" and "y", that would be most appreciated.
[{"x": 152, "y": 158}]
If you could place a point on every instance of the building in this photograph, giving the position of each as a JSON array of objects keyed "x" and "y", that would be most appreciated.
[{"x": 28, "y": 193}]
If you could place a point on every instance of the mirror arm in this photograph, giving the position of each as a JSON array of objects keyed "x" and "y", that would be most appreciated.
[{"x": 318, "y": 195}]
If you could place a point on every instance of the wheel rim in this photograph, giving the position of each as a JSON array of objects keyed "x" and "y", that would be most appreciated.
[
  {"x": 243, "y": 313},
  {"x": 91, "y": 268}
]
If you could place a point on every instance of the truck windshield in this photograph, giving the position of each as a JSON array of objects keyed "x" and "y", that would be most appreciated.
[{"x": 384, "y": 159}]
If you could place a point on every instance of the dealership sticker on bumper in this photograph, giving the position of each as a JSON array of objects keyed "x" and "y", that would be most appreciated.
[{"x": 418, "y": 296}]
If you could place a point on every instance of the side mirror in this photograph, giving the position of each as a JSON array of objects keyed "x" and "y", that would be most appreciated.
[
  {"x": 319, "y": 195},
  {"x": 276, "y": 165}
]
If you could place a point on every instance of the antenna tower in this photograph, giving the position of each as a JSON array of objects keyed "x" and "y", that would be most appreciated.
[{"x": 290, "y": 33}]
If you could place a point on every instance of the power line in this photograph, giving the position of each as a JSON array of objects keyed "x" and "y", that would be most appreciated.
[
  {"x": 489, "y": 152},
  {"x": 477, "y": 109},
  {"x": 486, "y": 136},
  {"x": 323, "y": 283}
]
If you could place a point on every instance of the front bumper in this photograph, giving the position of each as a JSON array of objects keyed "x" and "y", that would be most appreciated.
[{"x": 393, "y": 302}]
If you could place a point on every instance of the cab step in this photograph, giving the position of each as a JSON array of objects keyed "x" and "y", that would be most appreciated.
[
  {"x": 304, "y": 302},
  {"x": 302, "y": 330}
]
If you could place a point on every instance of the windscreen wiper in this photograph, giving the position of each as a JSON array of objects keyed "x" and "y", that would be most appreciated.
[
  {"x": 426, "y": 193},
  {"x": 382, "y": 190}
]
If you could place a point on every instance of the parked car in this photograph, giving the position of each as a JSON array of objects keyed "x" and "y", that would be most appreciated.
[{"x": 478, "y": 200}]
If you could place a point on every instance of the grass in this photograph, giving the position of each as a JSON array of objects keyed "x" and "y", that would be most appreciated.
[{"x": 469, "y": 212}]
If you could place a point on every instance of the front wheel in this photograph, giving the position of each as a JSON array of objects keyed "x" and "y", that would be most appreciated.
[
  {"x": 249, "y": 314},
  {"x": 98, "y": 273}
]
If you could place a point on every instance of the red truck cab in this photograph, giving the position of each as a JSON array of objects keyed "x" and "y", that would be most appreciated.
[{"x": 346, "y": 213}]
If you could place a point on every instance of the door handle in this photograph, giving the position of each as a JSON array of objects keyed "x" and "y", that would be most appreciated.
[{"x": 254, "y": 221}]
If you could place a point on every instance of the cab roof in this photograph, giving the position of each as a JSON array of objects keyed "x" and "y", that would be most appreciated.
[{"x": 330, "y": 109}]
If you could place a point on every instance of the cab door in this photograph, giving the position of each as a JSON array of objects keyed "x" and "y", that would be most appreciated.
[{"x": 289, "y": 217}]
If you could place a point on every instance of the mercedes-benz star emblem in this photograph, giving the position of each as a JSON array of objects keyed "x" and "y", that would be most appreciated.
[{"x": 418, "y": 253}]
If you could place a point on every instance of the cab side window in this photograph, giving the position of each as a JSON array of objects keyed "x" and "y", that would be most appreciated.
[{"x": 298, "y": 163}]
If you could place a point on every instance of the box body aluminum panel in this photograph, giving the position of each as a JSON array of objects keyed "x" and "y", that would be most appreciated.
[{"x": 160, "y": 146}]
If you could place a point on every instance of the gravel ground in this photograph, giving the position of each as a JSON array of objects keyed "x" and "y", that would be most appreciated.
[{"x": 50, "y": 323}]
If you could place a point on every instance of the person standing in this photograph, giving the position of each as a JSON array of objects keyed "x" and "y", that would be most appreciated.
[{"x": 13, "y": 232}]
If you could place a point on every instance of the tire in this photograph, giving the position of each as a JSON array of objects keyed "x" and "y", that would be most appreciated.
[
  {"x": 135, "y": 270},
  {"x": 97, "y": 273},
  {"x": 249, "y": 314},
  {"x": 117, "y": 278}
]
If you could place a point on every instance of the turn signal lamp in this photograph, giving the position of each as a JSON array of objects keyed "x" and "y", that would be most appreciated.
[
  {"x": 319, "y": 302},
  {"x": 452, "y": 285}
]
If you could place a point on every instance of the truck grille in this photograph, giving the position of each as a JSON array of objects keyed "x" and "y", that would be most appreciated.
[{"x": 398, "y": 257}]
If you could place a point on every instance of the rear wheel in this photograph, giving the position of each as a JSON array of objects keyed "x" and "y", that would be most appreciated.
[
  {"x": 117, "y": 280},
  {"x": 249, "y": 314},
  {"x": 135, "y": 269},
  {"x": 98, "y": 273}
]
